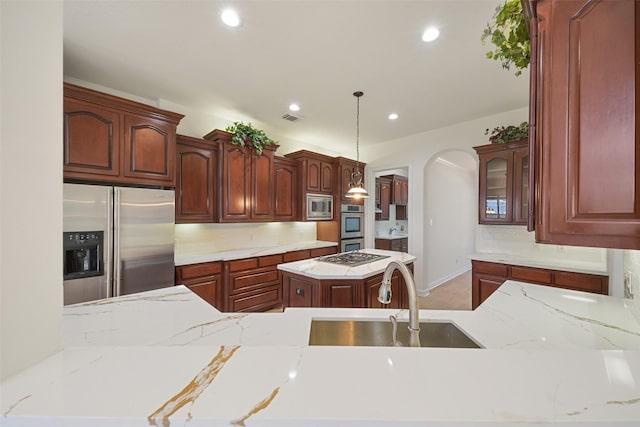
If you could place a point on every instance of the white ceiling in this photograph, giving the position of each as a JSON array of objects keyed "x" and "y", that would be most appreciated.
[{"x": 314, "y": 52}]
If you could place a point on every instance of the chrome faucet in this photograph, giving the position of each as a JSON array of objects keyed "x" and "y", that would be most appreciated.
[
  {"x": 392, "y": 229},
  {"x": 384, "y": 296}
]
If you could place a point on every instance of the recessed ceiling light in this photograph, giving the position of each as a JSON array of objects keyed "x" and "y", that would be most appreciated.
[
  {"x": 430, "y": 34},
  {"x": 230, "y": 17},
  {"x": 294, "y": 107},
  {"x": 393, "y": 116}
]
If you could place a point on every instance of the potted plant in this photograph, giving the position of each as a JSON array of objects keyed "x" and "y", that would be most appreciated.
[
  {"x": 504, "y": 135},
  {"x": 246, "y": 135},
  {"x": 507, "y": 31}
]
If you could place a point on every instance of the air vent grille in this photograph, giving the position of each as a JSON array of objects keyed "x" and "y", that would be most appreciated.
[{"x": 291, "y": 117}]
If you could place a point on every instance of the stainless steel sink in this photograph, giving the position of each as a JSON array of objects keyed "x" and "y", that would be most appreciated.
[{"x": 379, "y": 333}]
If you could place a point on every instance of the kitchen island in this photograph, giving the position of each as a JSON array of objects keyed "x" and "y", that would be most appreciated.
[
  {"x": 346, "y": 280},
  {"x": 166, "y": 358}
]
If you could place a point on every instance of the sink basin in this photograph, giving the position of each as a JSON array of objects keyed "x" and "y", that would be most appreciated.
[{"x": 378, "y": 333}]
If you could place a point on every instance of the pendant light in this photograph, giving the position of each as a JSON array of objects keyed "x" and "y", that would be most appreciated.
[{"x": 356, "y": 186}]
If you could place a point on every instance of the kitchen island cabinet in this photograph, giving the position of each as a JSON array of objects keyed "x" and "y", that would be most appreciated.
[
  {"x": 312, "y": 283},
  {"x": 585, "y": 74},
  {"x": 150, "y": 351},
  {"x": 115, "y": 140}
]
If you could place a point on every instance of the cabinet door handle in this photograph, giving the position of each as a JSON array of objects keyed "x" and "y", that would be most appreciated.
[{"x": 300, "y": 291}]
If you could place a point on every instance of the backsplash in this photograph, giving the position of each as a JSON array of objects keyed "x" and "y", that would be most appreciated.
[
  {"x": 517, "y": 241},
  {"x": 199, "y": 238},
  {"x": 383, "y": 227},
  {"x": 631, "y": 262}
]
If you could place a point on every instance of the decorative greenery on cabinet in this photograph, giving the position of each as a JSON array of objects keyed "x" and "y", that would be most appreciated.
[
  {"x": 508, "y": 33},
  {"x": 504, "y": 135},
  {"x": 246, "y": 134}
]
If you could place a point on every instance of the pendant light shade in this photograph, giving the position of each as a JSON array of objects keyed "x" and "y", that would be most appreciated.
[{"x": 356, "y": 186}]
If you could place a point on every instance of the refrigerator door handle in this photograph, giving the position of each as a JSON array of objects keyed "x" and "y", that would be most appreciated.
[
  {"x": 117, "y": 267},
  {"x": 108, "y": 246}
]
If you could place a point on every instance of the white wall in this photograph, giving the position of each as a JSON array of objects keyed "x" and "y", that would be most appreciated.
[
  {"x": 415, "y": 152},
  {"x": 451, "y": 195},
  {"x": 30, "y": 182}
]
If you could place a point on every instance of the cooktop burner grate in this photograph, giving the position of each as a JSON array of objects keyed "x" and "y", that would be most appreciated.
[{"x": 352, "y": 259}]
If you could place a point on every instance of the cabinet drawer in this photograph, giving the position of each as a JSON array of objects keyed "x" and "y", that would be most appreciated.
[
  {"x": 253, "y": 279},
  {"x": 490, "y": 268},
  {"x": 266, "y": 261},
  {"x": 531, "y": 275},
  {"x": 243, "y": 264},
  {"x": 257, "y": 301},
  {"x": 583, "y": 282},
  {"x": 296, "y": 256},
  {"x": 192, "y": 271},
  {"x": 323, "y": 251}
]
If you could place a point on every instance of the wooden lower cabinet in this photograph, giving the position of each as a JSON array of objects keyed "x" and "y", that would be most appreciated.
[
  {"x": 488, "y": 276},
  {"x": 204, "y": 279},
  {"x": 399, "y": 245},
  {"x": 253, "y": 284},
  {"x": 303, "y": 291}
]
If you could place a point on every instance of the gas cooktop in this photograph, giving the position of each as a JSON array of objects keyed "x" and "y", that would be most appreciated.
[{"x": 351, "y": 259}]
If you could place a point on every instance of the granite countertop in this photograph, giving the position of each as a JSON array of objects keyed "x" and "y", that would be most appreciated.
[
  {"x": 323, "y": 270},
  {"x": 166, "y": 358},
  {"x": 197, "y": 256},
  {"x": 557, "y": 263}
]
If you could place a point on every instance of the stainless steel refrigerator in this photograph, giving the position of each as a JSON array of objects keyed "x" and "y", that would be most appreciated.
[{"x": 117, "y": 241}]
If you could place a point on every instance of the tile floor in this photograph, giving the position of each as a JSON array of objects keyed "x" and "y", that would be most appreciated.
[{"x": 452, "y": 295}]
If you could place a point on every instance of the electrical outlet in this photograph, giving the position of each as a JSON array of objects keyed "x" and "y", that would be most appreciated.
[{"x": 629, "y": 284}]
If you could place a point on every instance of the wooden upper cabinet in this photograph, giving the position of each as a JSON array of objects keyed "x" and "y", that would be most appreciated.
[
  {"x": 503, "y": 183},
  {"x": 91, "y": 139},
  {"x": 586, "y": 121},
  {"x": 247, "y": 182},
  {"x": 383, "y": 186},
  {"x": 286, "y": 192},
  {"x": 399, "y": 189},
  {"x": 149, "y": 149},
  {"x": 316, "y": 172},
  {"x": 111, "y": 139},
  {"x": 196, "y": 180}
]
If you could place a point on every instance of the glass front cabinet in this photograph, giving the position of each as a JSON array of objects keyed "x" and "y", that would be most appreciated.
[{"x": 504, "y": 183}]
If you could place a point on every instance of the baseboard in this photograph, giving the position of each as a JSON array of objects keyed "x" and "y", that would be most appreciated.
[{"x": 433, "y": 285}]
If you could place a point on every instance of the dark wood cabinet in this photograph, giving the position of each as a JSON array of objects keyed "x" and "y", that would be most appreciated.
[
  {"x": 316, "y": 172},
  {"x": 204, "y": 279},
  {"x": 196, "y": 180},
  {"x": 247, "y": 184},
  {"x": 584, "y": 90},
  {"x": 400, "y": 244},
  {"x": 383, "y": 188},
  {"x": 400, "y": 189},
  {"x": 253, "y": 284},
  {"x": 486, "y": 278},
  {"x": 287, "y": 196},
  {"x": 111, "y": 139},
  {"x": 503, "y": 183},
  {"x": 303, "y": 291}
]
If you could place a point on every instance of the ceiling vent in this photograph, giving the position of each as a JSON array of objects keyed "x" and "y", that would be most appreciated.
[{"x": 291, "y": 117}]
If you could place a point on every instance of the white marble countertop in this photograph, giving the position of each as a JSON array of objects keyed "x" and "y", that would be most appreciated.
[
  {"x": 557, "y": 263},
  {"x": 326, "y": 271},
  {"x": 186, "y": 257},
  {"x": 166, "y": 358},
  {"x": 392, "y": 236}
]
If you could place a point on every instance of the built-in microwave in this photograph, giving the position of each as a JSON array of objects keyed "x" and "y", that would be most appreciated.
[{"x": 319, "y": 207}]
